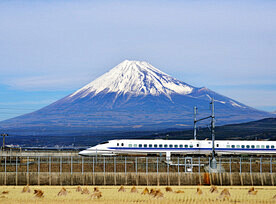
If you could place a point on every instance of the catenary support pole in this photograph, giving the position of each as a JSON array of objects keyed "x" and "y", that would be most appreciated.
[
  {"x": 195, "y": 110},
  {"x": 213, "y": 162}
]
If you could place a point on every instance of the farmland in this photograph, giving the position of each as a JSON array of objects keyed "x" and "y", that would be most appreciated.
[{"x": 110, "y": 194}]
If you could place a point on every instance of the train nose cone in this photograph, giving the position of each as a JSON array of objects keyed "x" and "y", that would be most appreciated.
[{"x": 84, "y": 153}]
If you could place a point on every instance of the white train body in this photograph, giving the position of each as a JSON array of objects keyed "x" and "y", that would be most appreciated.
[{"x": 168, "y": 147}]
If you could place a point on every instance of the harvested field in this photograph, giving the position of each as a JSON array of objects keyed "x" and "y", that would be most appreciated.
[{"x": 110, "y": 194}]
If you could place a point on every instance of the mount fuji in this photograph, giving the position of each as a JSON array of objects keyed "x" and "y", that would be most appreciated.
[{"x": 133, "y": 96}]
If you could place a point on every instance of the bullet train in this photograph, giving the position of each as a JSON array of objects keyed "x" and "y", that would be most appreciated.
[{"x": 180, "y": 147}]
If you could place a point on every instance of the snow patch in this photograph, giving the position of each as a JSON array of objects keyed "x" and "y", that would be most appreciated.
[{"x": 235, "y": 104}]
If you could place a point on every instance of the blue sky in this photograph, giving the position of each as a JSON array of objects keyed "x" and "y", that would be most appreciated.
[{"x": 49, "y": 49}]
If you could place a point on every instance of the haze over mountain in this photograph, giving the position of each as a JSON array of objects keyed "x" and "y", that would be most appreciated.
[{"x": 133, "y": 96}]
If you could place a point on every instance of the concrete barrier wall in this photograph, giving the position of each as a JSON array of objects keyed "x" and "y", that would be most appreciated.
[{"x": 34, "y": 178}]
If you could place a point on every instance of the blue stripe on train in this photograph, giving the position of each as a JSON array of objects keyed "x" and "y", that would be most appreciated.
[{"x": 198, "y": 149}]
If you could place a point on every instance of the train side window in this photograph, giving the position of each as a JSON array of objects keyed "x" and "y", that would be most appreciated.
[
  {"x": 181, "y": 146},
  {"x": 145, "y": 145},
  {"x": 243, "y": 146},
  {"x": 198, "y": 145},
  {"x": 191, "y": 146},
  {"x": 140, "y": 145},
  {"x": 257, "y": 146},
  {"x": 122, "y": 144},
  {"x": 186, "y": 146},
  {"x": 135, "y": 145},
  {"x": 267, "y": 146},
  {"x": 150, "y": 145},
  {"x": 238, "y": 146},
  {"x": 228, "y": 146},
  {"x": 175, "y": 146},
  {"x": 252, "y": 146},
  {"x": 262, "y": 146},
  {"x": 217, "y": 145},
  {"x": 171, "y": 146},
  {"x": 272, "y": 146},
  {"x": 130, "y": 145},
  {"x": 155, "y": 145},
  {"x": 165, "y": 146},
  {"x": 233, "y": 146},
  {"x": 160, "y": 145},
  {"x": 118, "y": 144},
  {"x": 247, "y": 146}
]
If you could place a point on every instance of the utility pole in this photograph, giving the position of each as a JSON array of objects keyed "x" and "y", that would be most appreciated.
[
  {"x": 213, "y": 162},
  {"x": 212, "y": 116},
  {"x": 4, "y": 135},
  {"x": 195, "y": 110}
]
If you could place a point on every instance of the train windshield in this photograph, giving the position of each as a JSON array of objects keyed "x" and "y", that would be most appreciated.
[{"x": 104, "y": 142}]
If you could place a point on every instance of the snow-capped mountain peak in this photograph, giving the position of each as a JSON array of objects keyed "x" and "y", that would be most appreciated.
[{"x": 135, "y": 78}]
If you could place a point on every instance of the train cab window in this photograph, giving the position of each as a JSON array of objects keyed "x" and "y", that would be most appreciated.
[
  {"x": 140, "y": 145},
  {"x": 175, "y": 146},
  {"x": 145, "y": 145},
  {"x": 252, "y": 146},
  {"x": 243, "y": 146},
  {"x": 129, "y": 145},
  {"x": 238, "y": 146},
  {"x": 247, "y": 146},
  {"x": 272, "y": 146},
  {"x": 118, "y": 144},
  {"x": 191, "y": 146},
  {"x": 262, "y": 146},
  {"x": 186, "y": 146},
  {"x": 180, "y": 146},
  {"x": 198, "y": 145},
  {"x": 233, "y": 146},
  {"x": 165, "y": 146},
  {"x": 171, "y": 146},
  {"x": 217, "y": 145},
  {"x": 135, "y": 145},
  {"x": 257, "y": 146},
  {"x": 267, "y": 146},
  {"x": 150, "y": 145},
  {"x": 122, "y": 144},
  {"x": 160, "y": 146},
  {"x": 228, "y": 146}
]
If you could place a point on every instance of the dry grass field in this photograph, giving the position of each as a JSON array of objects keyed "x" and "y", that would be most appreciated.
[{"x": 138, "y": 194}]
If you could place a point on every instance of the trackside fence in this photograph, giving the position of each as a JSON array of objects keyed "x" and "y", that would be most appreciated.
[{"x": 129, "y": 170}]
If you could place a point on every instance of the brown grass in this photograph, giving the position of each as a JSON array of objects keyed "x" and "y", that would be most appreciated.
[
  {"x": 252, "y": 191},
  {"x": 96, "y": 195},
  {"x": 78, "y": 189},
  {"x": 26, "y": 189},
  {"x": 145, "y": 191},
  {"x": 85, "y": 191},
  {"x": 169, "y": 189},
  {"x": 152, "y": 191},
  {"x": 96, "y": 189},
  {"x": 109, "y": 194},
  {"x": 199, "y": 191},
  {"x": 158, "y": 194},
  {"x": 122, "y": 189},
  {"x": 133, "y": 190},
  {"x": 213, "y": 189},
  {"x": 62, "y": 192},
  {"x": 38, "y": 193}
]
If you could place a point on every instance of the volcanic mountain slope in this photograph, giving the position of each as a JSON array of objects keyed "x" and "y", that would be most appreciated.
[{"x": 134, "y": 95}]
